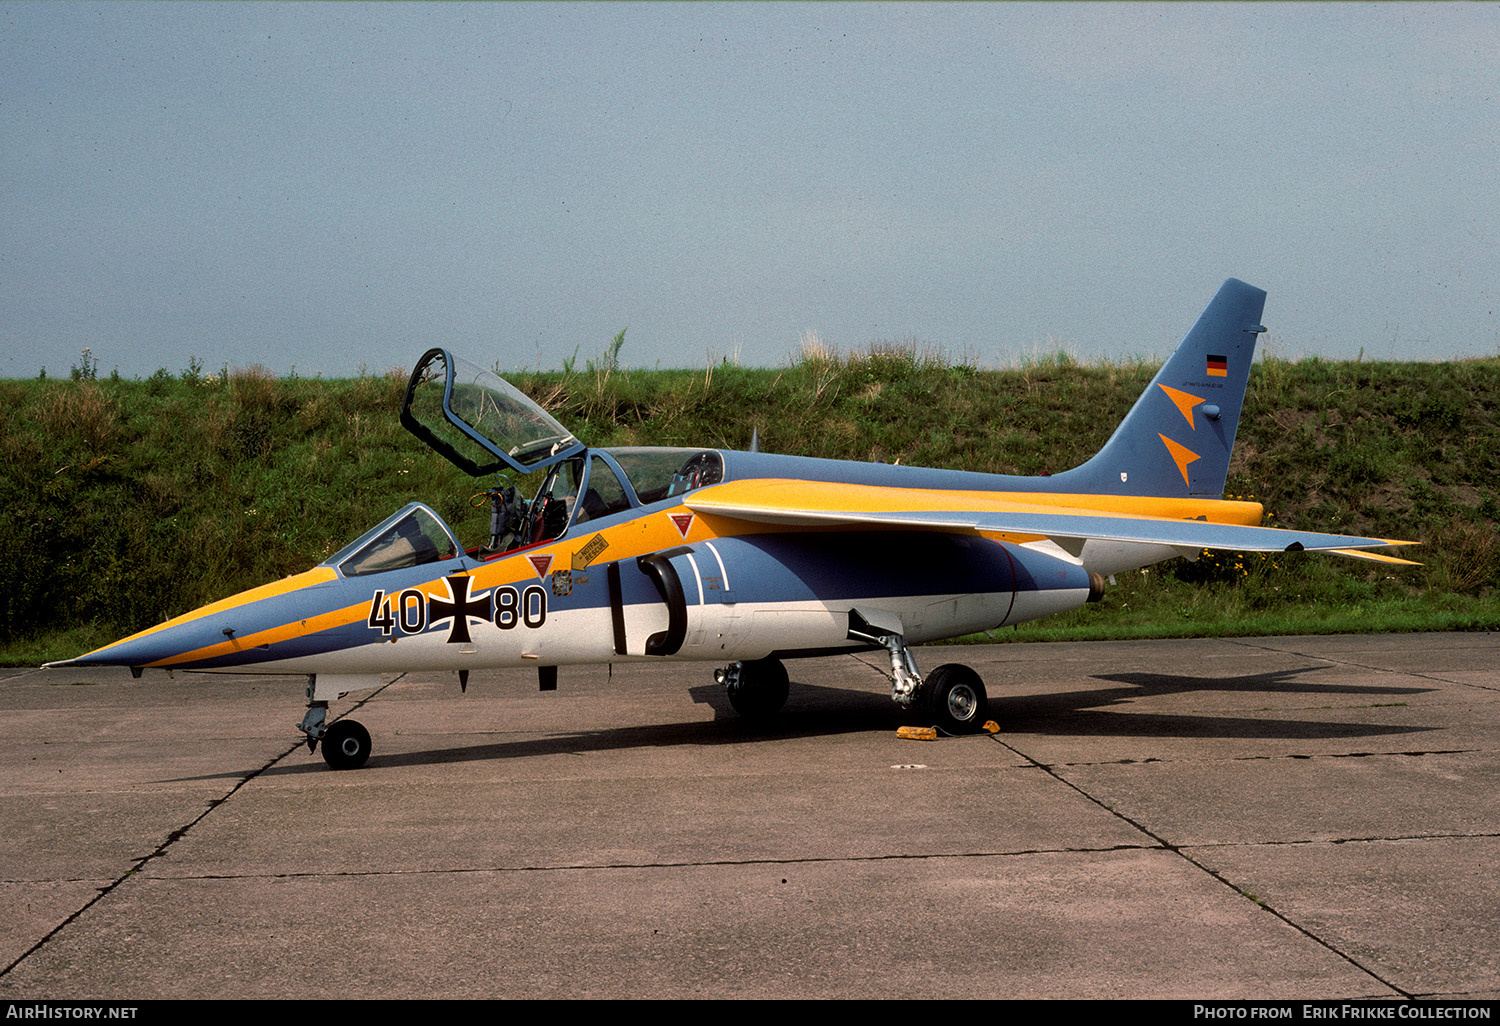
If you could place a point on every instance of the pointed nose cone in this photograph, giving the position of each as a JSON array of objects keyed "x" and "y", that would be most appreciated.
[
  {"x": 220, "y": 632},
  {"x": 172, "y": 643}
]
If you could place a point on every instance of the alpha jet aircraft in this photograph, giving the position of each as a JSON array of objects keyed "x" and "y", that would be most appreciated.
[{"x": 741, "y": 558}]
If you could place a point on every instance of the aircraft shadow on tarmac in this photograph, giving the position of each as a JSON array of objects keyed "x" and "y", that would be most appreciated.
[
  {"x": 817, "y": 710},
  {"x": 812, "y": 711},
  {"x": 1084, "y": 713}
]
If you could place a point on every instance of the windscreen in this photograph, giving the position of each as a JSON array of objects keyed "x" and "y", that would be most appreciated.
[
  {"x": 411, "y": 537},
  {"x": 658, "y": 474}
]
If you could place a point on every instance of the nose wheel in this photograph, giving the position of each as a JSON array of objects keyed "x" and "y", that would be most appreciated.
[{"x": 346, "y": 745}]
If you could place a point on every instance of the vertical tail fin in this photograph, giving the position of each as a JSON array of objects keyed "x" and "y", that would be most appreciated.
[{"x": 1177, "y": 438}]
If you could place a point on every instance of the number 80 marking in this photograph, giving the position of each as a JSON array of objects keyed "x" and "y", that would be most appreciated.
[{"x": 530, "y": 605}]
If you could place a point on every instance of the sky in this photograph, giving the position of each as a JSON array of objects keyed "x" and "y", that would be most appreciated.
[{"x": 332, "y": 189}]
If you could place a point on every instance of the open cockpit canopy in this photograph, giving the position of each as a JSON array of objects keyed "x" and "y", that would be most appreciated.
[
  {"x": 478, "y": 421},
  {"x": 484, "y": 425}
]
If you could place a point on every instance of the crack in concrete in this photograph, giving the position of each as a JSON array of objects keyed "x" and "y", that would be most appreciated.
[
  {"x": 1179, "y": 851},
  {"x": 172, "y": 838}
]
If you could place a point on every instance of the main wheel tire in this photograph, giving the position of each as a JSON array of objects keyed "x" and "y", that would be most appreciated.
[
  {"x": 955, "y": 699},
  {"x": 761, "y": 689},
  {"x": 346, "y": 745}
]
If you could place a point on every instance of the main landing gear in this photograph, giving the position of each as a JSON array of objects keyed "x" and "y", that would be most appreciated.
[
  {"x": 951, "y": 697},
  {"x": 756, "y": 689}
]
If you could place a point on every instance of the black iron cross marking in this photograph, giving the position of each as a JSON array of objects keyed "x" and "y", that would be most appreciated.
[{"x": 460, "y": 609}]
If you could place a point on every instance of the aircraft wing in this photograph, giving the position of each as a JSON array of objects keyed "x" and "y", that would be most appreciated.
[{"x": 821, "y": 504}]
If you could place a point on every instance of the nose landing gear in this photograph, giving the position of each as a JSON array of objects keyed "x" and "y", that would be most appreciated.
[{"x": 346, "y": 743}]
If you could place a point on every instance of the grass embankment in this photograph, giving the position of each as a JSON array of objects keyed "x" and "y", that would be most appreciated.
[{"x": 126, "y": 501}]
